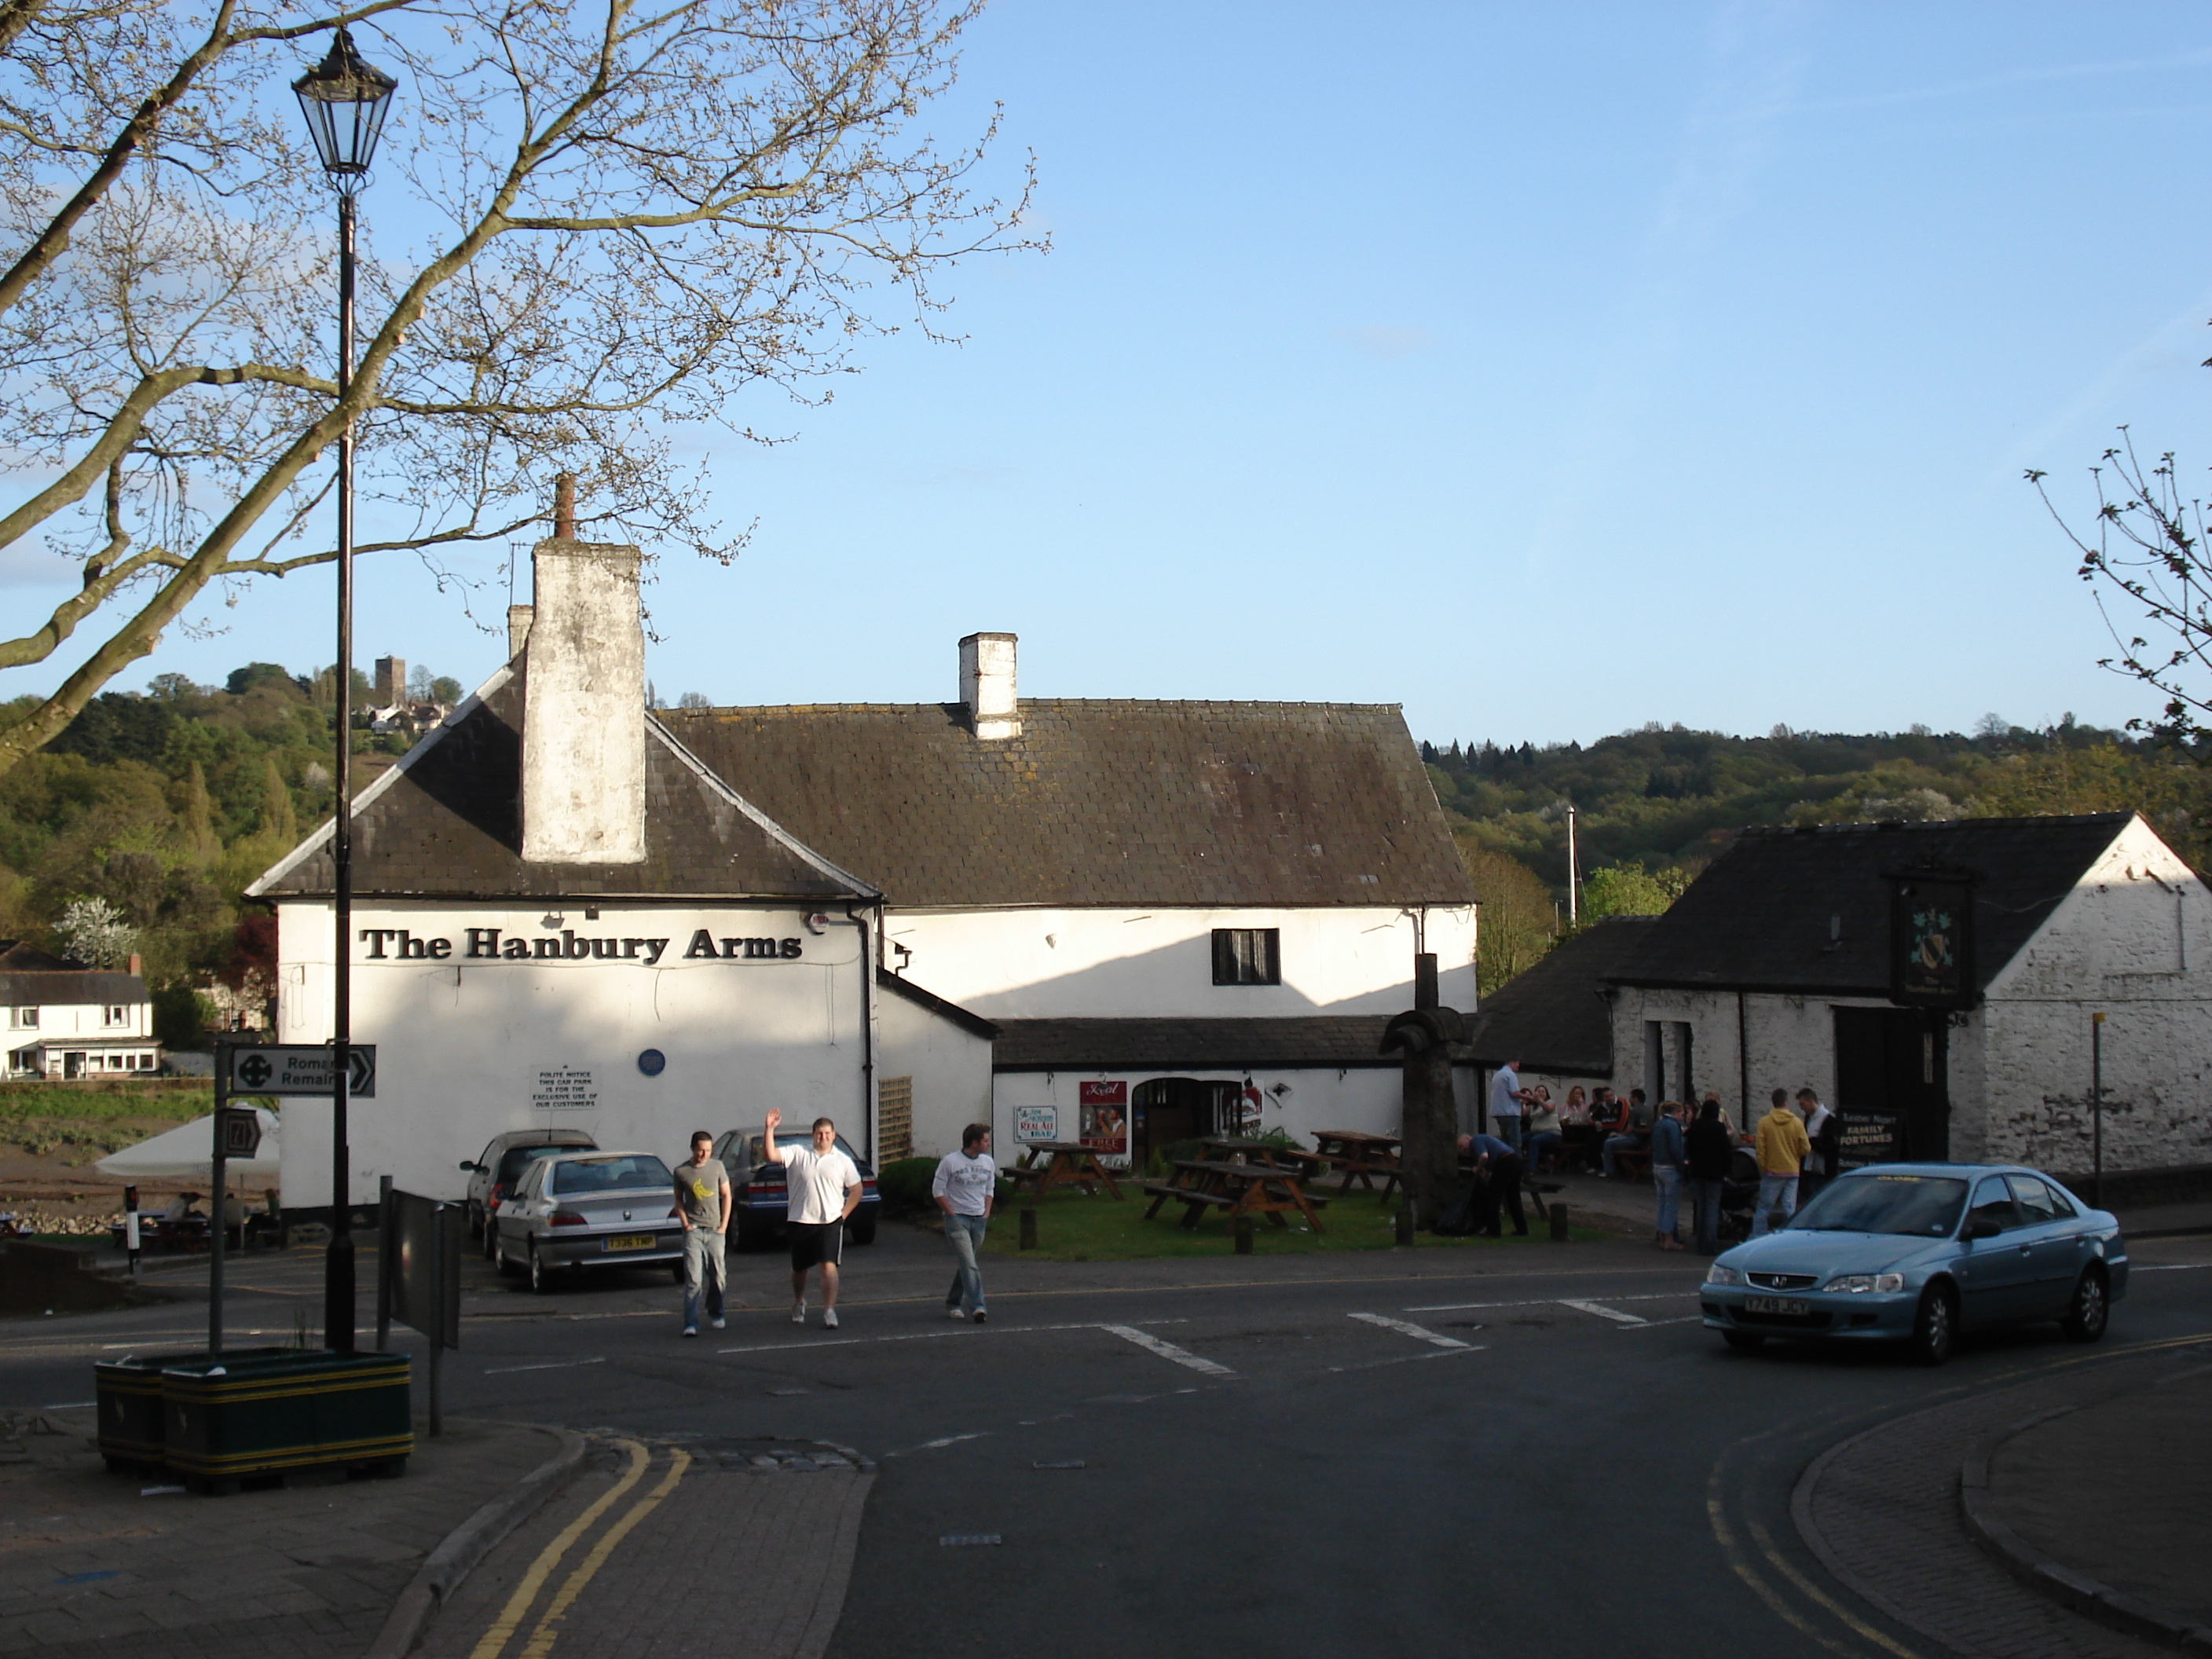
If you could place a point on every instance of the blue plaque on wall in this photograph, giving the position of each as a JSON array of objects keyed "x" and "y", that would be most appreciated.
[{"x": 652, "y": 1063}]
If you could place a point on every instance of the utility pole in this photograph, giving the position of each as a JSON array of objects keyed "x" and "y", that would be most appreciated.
[
  {"x": 1574, "y": 877},
  {"x": 2096, "y": 1111}
]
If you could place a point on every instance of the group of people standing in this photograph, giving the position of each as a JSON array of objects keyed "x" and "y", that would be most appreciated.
[
  {"x": 823, "y": 1187},
  {"x": 1690, "y": 1147}
]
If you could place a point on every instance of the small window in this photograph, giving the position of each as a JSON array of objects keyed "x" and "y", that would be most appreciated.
[
  {"x": 1247, "y": 955},
  {"x": 26, "y": 1019},
  {"x": 118, "y": 1014}
]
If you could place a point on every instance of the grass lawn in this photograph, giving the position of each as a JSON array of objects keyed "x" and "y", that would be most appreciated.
[
  {"x": 83, "y": 1121},
  {"x": 1073, "y": 1228}
]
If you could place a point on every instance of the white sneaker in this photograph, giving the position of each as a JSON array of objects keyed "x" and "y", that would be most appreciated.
[
  {"x": 955, "y": 1313},
  {"x": 690, "y": 1330},
  {"x": 829, "y": 1318},
  {"x": 716, "y": 1322},
  {"x": 799, "y": 1313}
]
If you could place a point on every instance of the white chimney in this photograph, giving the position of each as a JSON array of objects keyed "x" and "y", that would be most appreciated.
[
  {"x": 987, "y": 685},
  {"x": 583, "y": 706},
  {"x": 518, "y": 629}
]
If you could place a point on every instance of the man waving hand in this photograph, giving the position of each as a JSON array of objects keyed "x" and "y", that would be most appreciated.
[{"x": 823, "y": 1188}]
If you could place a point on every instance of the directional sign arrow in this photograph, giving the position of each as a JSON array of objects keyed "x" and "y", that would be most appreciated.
[{"x": 254, "y": 1070}]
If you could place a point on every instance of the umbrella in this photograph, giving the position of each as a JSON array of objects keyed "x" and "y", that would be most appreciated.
[{"x": 188, "y": 1154}]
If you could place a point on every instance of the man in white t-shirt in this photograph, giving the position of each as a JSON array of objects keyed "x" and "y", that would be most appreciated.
[
  {"x": 965, "y": 1183},
  {"x": 822, "y": 1187},
  {"x": 1506, "y": 1097}
]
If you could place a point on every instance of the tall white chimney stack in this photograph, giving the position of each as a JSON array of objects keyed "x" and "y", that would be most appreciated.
[
  {"x": 583, "y": 705},
  {"x": 987, "y": 685}
]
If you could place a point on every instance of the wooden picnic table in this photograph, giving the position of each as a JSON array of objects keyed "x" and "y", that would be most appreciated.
[
  {"x": 1361, "y": 1157},
  {"x": 1198, "y": 1184},
  {"x": 1065, "y": 1164},
  {"x": 1272, "y": 1154}
]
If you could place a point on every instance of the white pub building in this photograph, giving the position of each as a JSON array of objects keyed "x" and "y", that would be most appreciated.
[{"x": 1126, "y": 922}]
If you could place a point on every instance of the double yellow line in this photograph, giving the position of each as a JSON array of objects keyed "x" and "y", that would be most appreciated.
[{"x": 503, "y": 1628}]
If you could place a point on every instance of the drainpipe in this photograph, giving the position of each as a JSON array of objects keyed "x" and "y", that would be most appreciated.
[
  {"x": 867, "y": 1027},
  {"x": 1742, "y": 1070}
]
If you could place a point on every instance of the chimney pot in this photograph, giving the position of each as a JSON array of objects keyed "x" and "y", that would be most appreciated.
[
  {"x": 987, "y": 686},
  {"x": 564, "y": 506},
  {"x": 138, "y": 965}
]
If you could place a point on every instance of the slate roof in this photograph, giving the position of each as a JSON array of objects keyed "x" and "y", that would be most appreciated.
[
  {"x": 1213, "y": 1045},
  {"x": 30, "y": 976},
  {"x": 1111, "y": 803},
  {"x": 1759, "y": 918},
  {"x": 447, "y": 823},
  {"x": 1556, "y": 1016}
]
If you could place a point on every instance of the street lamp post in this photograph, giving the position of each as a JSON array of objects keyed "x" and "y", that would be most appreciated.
[{"x": 345, "y": 99}]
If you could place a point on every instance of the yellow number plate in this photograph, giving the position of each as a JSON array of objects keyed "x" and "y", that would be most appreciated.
[{"x": 629, "y": 1242}]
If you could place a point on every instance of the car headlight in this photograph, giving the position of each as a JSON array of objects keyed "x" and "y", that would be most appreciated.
[
  {"x": 1862, "y": 1284},
  {"x": 1718, "y": 1275}
]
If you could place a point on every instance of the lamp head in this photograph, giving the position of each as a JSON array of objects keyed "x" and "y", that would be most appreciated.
[{"x": 345, "y": 99}]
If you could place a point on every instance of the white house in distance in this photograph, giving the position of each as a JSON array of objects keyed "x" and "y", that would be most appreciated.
[
  {"x": 68, "y": 1021},
  {"x": 1126, "y": 921},
  {"x": 1775, "y": 970}
]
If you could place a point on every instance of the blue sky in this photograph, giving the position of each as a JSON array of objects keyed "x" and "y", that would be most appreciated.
[{"x": 1546, "y": 369}]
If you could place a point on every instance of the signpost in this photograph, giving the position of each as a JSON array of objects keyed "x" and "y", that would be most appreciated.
[{"x": 290, "y": 1068}]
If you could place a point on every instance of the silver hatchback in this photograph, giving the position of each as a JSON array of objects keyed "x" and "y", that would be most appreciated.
[{"x": 584, "y": 1210}]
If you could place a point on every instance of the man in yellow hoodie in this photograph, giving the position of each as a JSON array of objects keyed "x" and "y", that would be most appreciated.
[{"x": 1782, "y": 1146}]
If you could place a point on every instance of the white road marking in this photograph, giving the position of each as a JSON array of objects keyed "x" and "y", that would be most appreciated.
[
  {"x": 801, "y": 1344},
  {"x": 2168, "y": 1267},
  {"x": 1603, "y": 1312},
  {"x": 550, "y": 1365},
  {"x": 1405, "y": 1327},
  {"x": 1544, "y": 1301},
  {"x": 1403, "y": 1358},
  {"x": 1654, "y": 1324},
  {"x": 939, "y": 1445},
  {"x": 1151, "y": 1344}
]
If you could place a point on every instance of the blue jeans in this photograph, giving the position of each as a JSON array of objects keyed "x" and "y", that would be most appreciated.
[
  {"x": 1618, "y": 1143},
  {"x": 1532, "y": 1153},
  {"x": 966, "y": 1233},
  {"x": 703, "y": 1271},
  {"x": 1705, "y": 1200},
  {"x": 1507, "y": 1129},
  {"x": 1667, "y": 1179},
  {"x": 1775, "y": 1192}
]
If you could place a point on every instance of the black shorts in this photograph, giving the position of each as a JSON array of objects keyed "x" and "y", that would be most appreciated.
[{"x": 816, "y": 1243}]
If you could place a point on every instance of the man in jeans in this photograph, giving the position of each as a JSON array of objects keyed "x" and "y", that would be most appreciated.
[
  {"x": 1781, "y": 1146},
  {"x": 1668, "y": 1155},
  {"x": 965, "y": 1183},
  {"x": 1506, "y": 1098},
  {"x": 702, "y": 1203}
]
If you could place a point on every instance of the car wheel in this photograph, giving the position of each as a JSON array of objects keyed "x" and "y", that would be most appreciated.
[
  {"x": 1936, "y": 1327},
  {"x": 1744, "y": 1341},
  {"x": 541, "y": 1276},
  {"x": 491, "y": 1242},
  {"x": 676, "y": 1271},
  {"x": 2090, "y": 1307},
  {"x": 749, "y": 1239},
  {"x": 861, "y": 1230},
  {"x": 507, "y": 1268}
]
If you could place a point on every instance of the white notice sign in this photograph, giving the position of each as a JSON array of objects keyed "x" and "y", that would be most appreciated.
[
  {"x": 1035, "y": 1123},
  {"x": 561, "y": 1090}
]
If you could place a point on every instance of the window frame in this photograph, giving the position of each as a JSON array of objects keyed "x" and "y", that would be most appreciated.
[{"x": 1263, "y": 955}]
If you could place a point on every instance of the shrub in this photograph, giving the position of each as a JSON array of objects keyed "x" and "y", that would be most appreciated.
[{"x": 904, "y": 1185}]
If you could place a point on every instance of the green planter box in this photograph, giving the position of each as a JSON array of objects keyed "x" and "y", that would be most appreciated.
[
  {"x": 265, "y": 1410},
  {"x": 127, "y": 1399}
]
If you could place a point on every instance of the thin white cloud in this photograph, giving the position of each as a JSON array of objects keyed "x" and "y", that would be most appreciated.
[{"x": 1380, "y": 340}]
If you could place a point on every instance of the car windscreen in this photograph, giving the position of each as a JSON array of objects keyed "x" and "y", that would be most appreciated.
[
  {"x": 516, "y": 1158},
  {"x": 617, "y": 1172},
  {"x": 1925, "y": 1207}
]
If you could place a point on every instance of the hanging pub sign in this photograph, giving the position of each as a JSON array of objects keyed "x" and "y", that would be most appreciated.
[{"x": 1931, "y": 937}]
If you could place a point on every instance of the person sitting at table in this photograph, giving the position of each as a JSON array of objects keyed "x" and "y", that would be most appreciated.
[
  {"x": 1541, "y": 1127},
  {"x": 1635, "y": 1130},
  {"x": 1496, "y": 1178},
  {"x": 181, "y": 1208}
]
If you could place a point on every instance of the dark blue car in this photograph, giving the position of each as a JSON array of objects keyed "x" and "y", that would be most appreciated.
[{"x": 1914, "y": 1253}]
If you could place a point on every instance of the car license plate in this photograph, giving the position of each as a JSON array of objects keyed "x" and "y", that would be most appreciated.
[
  {"x": 629, "y": 1242},
  {"x": 1776, "y": 1305}
]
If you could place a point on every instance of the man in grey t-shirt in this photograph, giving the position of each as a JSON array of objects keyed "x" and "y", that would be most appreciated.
[{"x": 702, "y": 1203}]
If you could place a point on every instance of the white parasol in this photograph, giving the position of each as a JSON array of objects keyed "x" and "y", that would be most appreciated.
[{"x": 188, "y": 1154}]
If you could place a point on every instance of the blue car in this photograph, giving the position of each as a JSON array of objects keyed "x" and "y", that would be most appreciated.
[{"x": 1917, "y": 1253}]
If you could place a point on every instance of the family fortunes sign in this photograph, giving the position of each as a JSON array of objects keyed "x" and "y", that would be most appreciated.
[{"x": 499, "y": 944}]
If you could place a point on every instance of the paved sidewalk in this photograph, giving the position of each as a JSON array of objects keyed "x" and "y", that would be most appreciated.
[
  {"x": 676, "y": 1548},
  {"x": 89, "y": 1565},
  {"x": 2115, "y": 1494},
  {"x": 1883, "y": 1509}
]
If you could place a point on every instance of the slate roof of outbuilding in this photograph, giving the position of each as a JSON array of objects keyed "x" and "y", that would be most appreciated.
[
  {"x": 1556, "y": 1016},
  {"x": 1759, "y": 918},
  {"x": 1100, "y": 802},
  {"x": 447, "y": 823},
  {"x": 1289, "y": 1044}
]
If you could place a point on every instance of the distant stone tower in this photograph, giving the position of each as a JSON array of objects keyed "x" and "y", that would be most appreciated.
[{"x": 391, "y": 681}]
